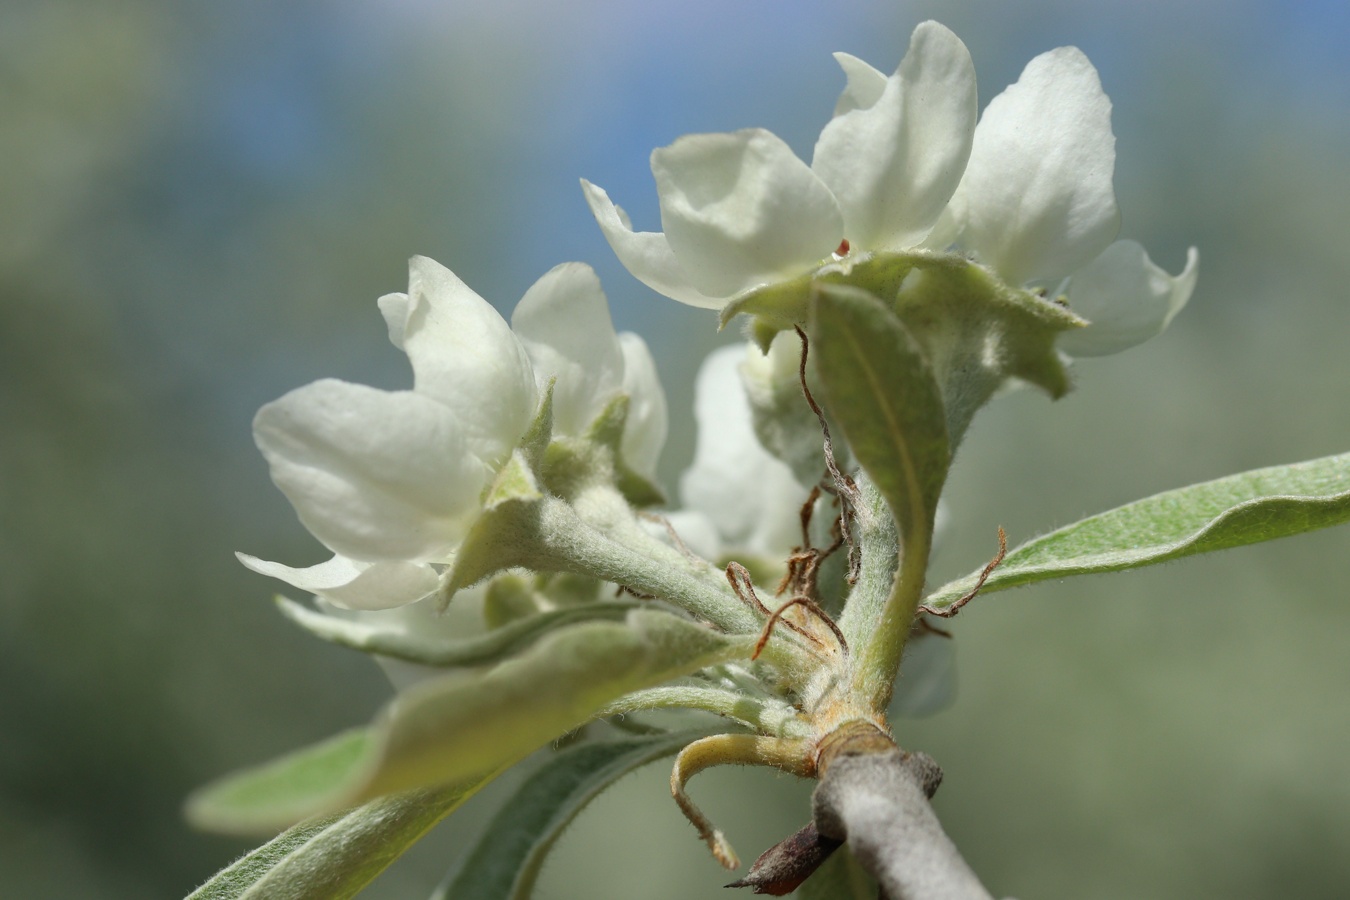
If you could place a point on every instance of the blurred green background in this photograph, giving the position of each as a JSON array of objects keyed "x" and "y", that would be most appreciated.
[{"x": 200, "y": 202}]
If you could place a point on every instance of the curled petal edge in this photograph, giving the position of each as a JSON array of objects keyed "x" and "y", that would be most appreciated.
[
  {"x": 646, "y": 254},
  {"x": 354, "y": 585},
  {"x": 1126, "y": 298}
]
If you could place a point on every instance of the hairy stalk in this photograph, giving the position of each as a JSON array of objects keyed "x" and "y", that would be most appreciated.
[{"x": 773, "y": 718}]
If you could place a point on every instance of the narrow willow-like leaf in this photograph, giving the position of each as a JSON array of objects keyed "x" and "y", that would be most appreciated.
[
  {"x": 313, "y": 780},
  {"x": 458, "y": 726},
  {"x": 505, "y": 863},
  {"x": 1247, "y": 508},
  {"x": 882, "y": 391},
  {"x": 334, "y": 857},
  {"x": 402, "y": 644},
  {"x": 447, "y": 728}
]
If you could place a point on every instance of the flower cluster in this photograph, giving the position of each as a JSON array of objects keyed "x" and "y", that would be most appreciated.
[
  {"x": 926, "y": 257},
  {"x": 392, "y": 481},
  {"x": 905, "y": 167}
]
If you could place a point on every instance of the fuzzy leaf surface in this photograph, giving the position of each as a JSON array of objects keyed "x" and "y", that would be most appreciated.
[
  {"x": 459, "y": 726},
  {"x": 1248, "y": 508},
  {"x": 506, "y": 862},
  {"x": 883, "y": 393},
  {"x": 334, "y": 857}
]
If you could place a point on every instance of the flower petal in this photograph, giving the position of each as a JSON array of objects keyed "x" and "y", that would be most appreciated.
[
  {"x": 374, "y": 475},
  {"x": 395, "y": 309},
  {"x": 751, "y": 497},
  {"x": 1037, "y": 201},
  {"x": 1126, "y": 298},
  {"x": 563, "y": 322},
  {"x": 740, "y": 209},
  {"x": 646, "y": 254},
  {"x": 354, "y": 585},
  {"x": 465, "y": 356},
  {"x": 864, "y": 86},
  {"x": 644, "y": 434},
  {"x": 893, "y": 165}
]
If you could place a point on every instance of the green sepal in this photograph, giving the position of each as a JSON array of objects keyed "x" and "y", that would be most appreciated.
[
  {"x": 506, "y": 861},
  {"x": 399, "y": 643},
  {"x": 515, "y": 483},
  {"x": 607, "y": 427},
  {"x": 1255, "y": 506},
  {"x": 459, "y": 726},
  {"x": 607, "y": 431},
  {"x": 540, "y": 433},
  {"x": 334, "y": 857},
  {"x": 573, "y": 464}
]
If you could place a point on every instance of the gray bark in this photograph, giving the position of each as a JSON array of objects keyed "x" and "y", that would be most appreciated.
[{"x": 878, "y": 802}]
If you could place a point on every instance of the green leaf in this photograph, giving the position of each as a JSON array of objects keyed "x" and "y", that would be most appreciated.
[
  {"x": 334, "y": 857},
  {"x": 293, "y": 787},
  {"x": 1248, "y": 508},
  {"x": 458, "y": 726},
  {"x": 883, "y": 393},
  {"x": 507, "y": 859},
  {"x": 400, "y": 643}
]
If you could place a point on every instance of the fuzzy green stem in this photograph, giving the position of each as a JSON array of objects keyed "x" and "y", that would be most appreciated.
[
  {"x": 564, "y": 541},
  {"x": 773, "y": 718},
  {"x": 881, "y": 607}
]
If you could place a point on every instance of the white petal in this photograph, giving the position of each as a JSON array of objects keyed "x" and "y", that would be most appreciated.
[
  {"x": 864, "y": 86},
  {"x": 750, "y": 496},
  {"x": 1126, "y": 298},
  {"x": 563, "y": 321},
  {"x": 894, "y": 164},
  {"x": 465, "y": 356},
  {"x": 374, "y": 475},
  {"x": 645, "y": 254},
  {"x": 354, "y": 585},
  {"x": 644, "y": 434},
  {"x": 1037, "y": 201},
  {"x": 741, "y": 209},
  {"x": 395, "y": 309}
]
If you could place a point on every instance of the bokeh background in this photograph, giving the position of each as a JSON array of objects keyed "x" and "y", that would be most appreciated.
[{"x": 200, "y": 202}]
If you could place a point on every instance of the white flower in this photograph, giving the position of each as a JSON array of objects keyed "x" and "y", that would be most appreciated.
[
  {"x": 737, "y": 497},
  {"x": 740, "y": 210},
  {"x": 391, "y": 481},
  {"x": 903, "y": 167},
  {"x": 1037, "y": 205}
]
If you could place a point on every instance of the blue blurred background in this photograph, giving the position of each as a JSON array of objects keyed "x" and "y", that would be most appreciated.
[{"x": 200, "y": 202}]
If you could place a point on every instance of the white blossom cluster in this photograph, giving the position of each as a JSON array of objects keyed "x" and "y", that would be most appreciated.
[{"x": 392, "y": 481}]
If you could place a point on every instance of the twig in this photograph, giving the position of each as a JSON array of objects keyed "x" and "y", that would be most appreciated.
[{"x": 878, "y": 802}]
